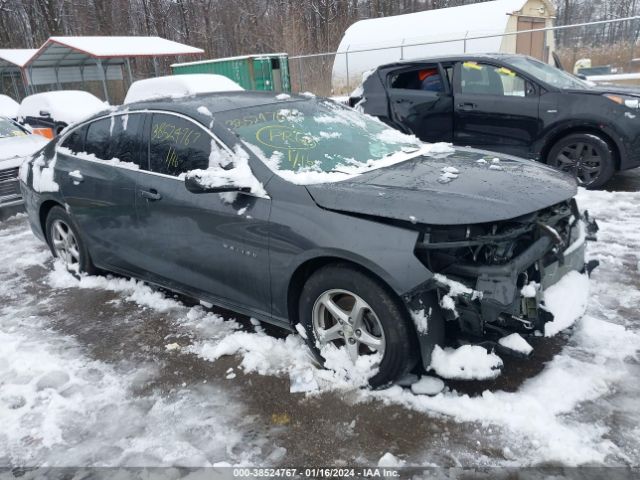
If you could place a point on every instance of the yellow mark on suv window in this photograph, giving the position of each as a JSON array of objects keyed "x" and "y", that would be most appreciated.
[
  {"x": 472, "y": 65},
  {"x": 505, "y": 71}
]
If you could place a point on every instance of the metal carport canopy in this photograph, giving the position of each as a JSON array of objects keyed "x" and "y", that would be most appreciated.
[
  {"x": 76, "y": 59},
  {"x": 11, "y": 62}
]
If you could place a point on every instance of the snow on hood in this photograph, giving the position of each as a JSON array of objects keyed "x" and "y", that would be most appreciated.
[
  {"x": 68, "y": 106},
  {"x": 13, "y": 150},
  {"x": 179, "y": 86},
  {"x": 482, "y": 191}
]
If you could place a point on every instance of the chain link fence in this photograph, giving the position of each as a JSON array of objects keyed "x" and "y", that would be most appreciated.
[{"x": 604, "y": 51}]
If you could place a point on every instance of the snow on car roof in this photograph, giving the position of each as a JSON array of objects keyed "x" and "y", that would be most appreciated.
[
  {"x": 178, "y": 86},
  {"x": 68, "y": 106},
  {"x": 8, "y": 107}
]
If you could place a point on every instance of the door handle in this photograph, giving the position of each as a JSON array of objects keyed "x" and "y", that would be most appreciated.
[
  {"x": 76, "y": 176},
  {"x": 467, "y": 106},
  {"x": 151, "y": 194}
]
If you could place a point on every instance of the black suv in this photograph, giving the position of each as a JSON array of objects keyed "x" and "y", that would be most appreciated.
[{"x": 511, "y": 104}]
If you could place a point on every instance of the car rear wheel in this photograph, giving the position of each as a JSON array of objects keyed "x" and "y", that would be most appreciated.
[
  {"x": 586, "y": 156},
  {"x": 346, "y": 308},
  {"x": 65, "y": 242}
]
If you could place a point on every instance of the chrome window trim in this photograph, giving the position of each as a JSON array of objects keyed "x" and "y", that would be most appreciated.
[{"x": 150, "y": 111}]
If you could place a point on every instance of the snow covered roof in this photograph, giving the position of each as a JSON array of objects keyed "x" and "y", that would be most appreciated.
[
  {"x": 178, "y": 86},
  {"x": 429, "y": 25},
  {"x": 61, "y": 51},
  {"x": 16, "y": 56}
]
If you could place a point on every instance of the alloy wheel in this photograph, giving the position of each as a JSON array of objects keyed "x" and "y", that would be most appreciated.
[
  {"x": 65, "y": 245},
  {"x": 582, "y": 160},
  {"x": 344, "y": 319}
]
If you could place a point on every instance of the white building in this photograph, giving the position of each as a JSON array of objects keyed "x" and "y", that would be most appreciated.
[{"x": 442, "y": 32}]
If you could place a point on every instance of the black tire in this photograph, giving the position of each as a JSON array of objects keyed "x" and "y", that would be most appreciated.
[
  {"x": 59, "y": 217},
  {"x": 401, "y": 346},
  {"x": 590, "y": 158}
]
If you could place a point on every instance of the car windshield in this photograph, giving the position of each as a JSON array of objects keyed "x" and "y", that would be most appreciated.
[
  {"x": 10, "y": 129},
  {"x": 307, "y": 137},
  {"x": 548, "y": 74}
]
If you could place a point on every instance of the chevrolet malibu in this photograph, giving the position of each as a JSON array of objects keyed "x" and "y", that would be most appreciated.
[{"x": 296, "y": 210}]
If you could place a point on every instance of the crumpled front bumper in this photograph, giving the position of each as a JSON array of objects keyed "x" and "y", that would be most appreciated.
[{"x": 487, "y": 302}]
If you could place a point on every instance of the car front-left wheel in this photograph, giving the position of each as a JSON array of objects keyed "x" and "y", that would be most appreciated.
[
  {"x": 342, "y": 307},
  {"x": 65, "y": 242}
]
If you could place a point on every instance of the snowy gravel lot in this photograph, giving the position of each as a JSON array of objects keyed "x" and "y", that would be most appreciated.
[{"x": 108, "y": 372}]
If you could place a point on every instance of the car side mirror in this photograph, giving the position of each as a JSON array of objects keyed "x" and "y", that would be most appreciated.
[
  {"x": 195, "y": 184},
  {"x": 45, "y": 114},
  {"x": 581, "y": 76}
]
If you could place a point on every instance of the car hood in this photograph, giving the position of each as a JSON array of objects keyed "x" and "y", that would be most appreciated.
[
  {"x": 14, "y": 149},
  {"x": 488, "y": 188}
]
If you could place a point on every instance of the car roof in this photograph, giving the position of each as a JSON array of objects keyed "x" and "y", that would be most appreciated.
[
  {"x": 455, "y": 58},
  {"x": 214, "y": 103}
]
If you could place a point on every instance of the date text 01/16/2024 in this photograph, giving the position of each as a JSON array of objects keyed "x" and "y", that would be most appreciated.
[{"x": 374, "y": 472}]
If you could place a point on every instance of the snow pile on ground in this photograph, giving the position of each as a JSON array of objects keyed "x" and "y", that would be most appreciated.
[
  {"x": 567, "y": 300},
  {"x": 176, "y": 86},
  {"x": 468, "y": 362},
  {"x": 516, "y": 343},
  {"x": 427, "y": 386},
  {"x": 389, "y": 460},
  {"x": 68, "y": 106}
]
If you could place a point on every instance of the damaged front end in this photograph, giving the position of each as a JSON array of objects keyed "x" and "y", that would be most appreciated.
[{"x": 489, "y": 279}]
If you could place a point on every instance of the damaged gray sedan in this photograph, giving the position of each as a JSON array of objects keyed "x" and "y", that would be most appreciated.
[{"x": 308, "y": 215}]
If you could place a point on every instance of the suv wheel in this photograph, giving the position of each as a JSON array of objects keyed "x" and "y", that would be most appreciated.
[
  {"x": 65, "y": 242},
  {"x": 343, "y": 306},
  {"x": 588, "y": 157}
]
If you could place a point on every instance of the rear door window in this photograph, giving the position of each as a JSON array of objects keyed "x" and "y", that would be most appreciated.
[
  {"x": 126, "y": 139},
  {"x": 177, "y": 145},
  {"x": 99, "y": 139},
  {"x": 425, "y": 78}
]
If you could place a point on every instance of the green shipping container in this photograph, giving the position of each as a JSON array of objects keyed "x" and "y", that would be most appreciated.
[{"x": 252, "y": 72}]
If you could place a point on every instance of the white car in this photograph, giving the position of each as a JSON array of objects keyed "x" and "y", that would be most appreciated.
[
  {"x": 48, "y": 113},
  {"x": 179, "y": 86},
  {"x": 16, "y": 144}
]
